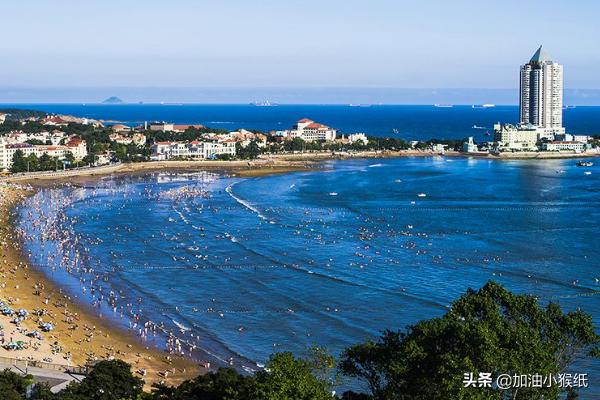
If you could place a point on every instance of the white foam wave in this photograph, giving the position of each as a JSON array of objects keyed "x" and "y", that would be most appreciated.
[{"x": 244, "y": 203}]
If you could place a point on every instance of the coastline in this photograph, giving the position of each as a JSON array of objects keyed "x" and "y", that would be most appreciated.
[
  {"x": 83, "y": 336},
  {"x": 79, "y": 331},
  {"x": 268, "y": 164}
]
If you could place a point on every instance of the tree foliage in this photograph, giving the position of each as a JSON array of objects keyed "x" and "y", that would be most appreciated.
[
  {"x": 108, "y": 380},
  {"x": 490, "y": 330},
  {"x": 13, "y": 386}
]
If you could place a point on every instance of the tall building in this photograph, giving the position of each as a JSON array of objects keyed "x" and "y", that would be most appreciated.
[{"x": 541, "y": 97}]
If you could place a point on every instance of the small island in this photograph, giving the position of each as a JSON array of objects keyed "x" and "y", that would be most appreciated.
[{"x": 113, "y": 100}]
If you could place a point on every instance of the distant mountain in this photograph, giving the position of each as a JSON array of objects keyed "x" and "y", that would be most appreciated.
[{"x": 113, "y": 100}]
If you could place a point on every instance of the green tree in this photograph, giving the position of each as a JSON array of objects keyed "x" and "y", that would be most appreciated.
[
  {"x": 288, "y": 378},
  {"x": 90, "y": 159},
  {"x": 225, "y": 384},
  {"x": 35, "y": 142},
  {"x": 46, "y": 163},
  {"x": 108, "y": 380},
  {"x": 19, "y": 163},
  {"x": 13, "y": 386},
  {"x": 70, "y": 158},
  {"x": 249, "y": 152},
  {"x": 490, "y": 330},
  {"x": 296, "y": 144},
  {"x": 41, "y": 391},
  {"x": 32, "y": 162}
]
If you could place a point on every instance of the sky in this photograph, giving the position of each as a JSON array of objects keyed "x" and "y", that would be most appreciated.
[{"x": 292, "y": 43}]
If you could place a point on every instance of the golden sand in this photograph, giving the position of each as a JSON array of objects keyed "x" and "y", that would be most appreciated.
[{"x": 79, "y": 335}]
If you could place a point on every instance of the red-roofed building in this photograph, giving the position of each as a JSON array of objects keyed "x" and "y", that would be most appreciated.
[
  {"x": 53, "y": 120},
  {"x": 77, "y": 147},
  {"x": 244, "y": 138},
  {"x": 309, "y": 130}
]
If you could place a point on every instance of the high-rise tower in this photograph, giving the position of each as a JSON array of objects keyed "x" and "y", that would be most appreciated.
[{"x": 541, "y": 95}]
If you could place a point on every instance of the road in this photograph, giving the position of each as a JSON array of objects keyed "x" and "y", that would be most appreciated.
[{"x": 57, "y": 380}]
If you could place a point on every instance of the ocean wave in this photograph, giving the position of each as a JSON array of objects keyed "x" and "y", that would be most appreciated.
[{"x": 245, "y": 203}]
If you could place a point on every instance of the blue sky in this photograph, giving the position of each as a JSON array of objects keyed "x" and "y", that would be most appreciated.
[{"x": 293, "y": 43}]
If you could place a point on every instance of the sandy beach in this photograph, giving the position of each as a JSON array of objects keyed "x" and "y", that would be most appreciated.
[{"x": 79, "y": 336}]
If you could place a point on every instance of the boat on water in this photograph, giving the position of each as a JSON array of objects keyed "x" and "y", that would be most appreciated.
[
  {"x": 396, "y": 131},
  {"x": 443, "y": 105},
  {"x": 567, "y": 107},
  {"x": 478, "y": 127},
  {"x": 585, "y": 164},
  {"x": 487, "y": 105}
]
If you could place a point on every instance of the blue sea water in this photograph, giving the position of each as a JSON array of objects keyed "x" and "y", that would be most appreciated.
[
  {"x": 402, "y": 121},
  {"x": 330, "y": 258}
]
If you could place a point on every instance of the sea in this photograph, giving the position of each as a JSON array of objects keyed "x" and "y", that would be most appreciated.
[
  {"x": 240, "y": 268},
  {"x": 409, "y": 122}
]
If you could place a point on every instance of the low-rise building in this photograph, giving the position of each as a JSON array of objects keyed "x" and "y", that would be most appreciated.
[
  {"x": 54, "y": 120},
  {"x": 120, "y": 128},
  {"x": 244, "y": 138},
  {"x": 352, "y": 138},
  {"x": 309, "y": 131},
  {"x": 201, "y": 150},
  {"x": 168, "y": 127},
  {"x": 568, "y": 137},
  {"x": 556, "y": 145},
  {"x": 516, "y": 138},
  {"x": 55, "y": 137},
  {"x": 138, "y": 139},
  {"x": 439, "y": 148},
  {"x": 469, "y": 146},
  {"x": 77, "y": 147}
]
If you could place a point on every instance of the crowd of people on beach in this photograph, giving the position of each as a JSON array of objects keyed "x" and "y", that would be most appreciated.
[
  {"x": 29, "y": 334},
  {"x": 53, "y": 245}
]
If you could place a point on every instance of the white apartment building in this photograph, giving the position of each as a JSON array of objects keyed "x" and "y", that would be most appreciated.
[
  {"x": 509, "y": 137},
  {"x": 576, "y": 147},
  {"x": 541, "y": 92},
  {"x": 568, "y": 137},
  {"x": 54, "y": 137},
  {"x": 355, "y": 137},
  {"x": 309, "y": 131},
  {"x": 192, "y": 150},
  {"x": 77, "y": 147}
]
